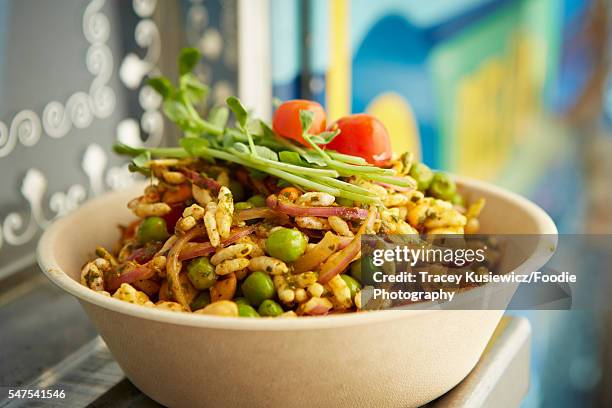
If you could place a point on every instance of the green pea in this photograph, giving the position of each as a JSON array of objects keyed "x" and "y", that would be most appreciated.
[
  {"x": 422, "y": 174},
  {"x": 286, "y": 244},
  {"x": 270, "y": 308},
  {"x": 363, "y": 270},
  {"x": 247, "y": 311},
  {"x": 345, "y": 202},
  {"x": 442, "y": 187},
  {"x": 458, "y": 200},
  {"x": 241, "y": 301},
  {"x": 352, "y": 284},
  {"x": 257, "y": 201},
  {"x": 201, "y": 273},
  {"x": 237, "y": 190},
  {"x": 243, "y": 205},
  {"x": 258, "y": 287},
  {"x": 152, "y": 229},
  {"x": 202, "y": 300}
]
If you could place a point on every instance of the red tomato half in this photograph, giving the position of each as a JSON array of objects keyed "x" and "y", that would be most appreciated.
[
  {"x": 286, "y": 121},
  {"x": 362, "y": 135}
]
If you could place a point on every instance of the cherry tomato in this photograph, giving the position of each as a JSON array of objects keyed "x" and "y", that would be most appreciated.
[
  {"x": 286, "y": 121},
  {"x": 362, "y": 135}
]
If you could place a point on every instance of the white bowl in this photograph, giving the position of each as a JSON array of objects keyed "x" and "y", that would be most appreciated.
[{"x": 383, "y": 358}]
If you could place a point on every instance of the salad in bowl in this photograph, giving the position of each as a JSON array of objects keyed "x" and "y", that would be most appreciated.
[{"x": 252, "y": 219}]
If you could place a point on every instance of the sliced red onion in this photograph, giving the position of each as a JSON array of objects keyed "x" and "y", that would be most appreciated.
[
  {"x": 341, "y": 260},
  {"x": 167, "y": 245},
  {"x": 174, "y": 265},
  {"x": 319, "y": 310},
  {"x": 144, "y": 254},
  {"x": 351, "y": 213},
  {"x": 254, "y": 213},
  {"x": 237, "y": 234},
  {"x": 317, "y": 255},
  {"x": 395, "y": 188},
  {"x": 197, "y": 250},
  {"x": 336, "y": 264},
  {"x": 205, "y": 248},
  {"x": 135, "y": 273},
  {"x": 344, "y": 242},
  {"x": 201, "y": 181},
  {"x": 148, "y": 286}
]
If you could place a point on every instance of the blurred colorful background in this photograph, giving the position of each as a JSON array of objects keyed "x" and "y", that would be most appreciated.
[
  {"x": 512, "y": 92},
  {"x": 517, "y": 92},
  {"x": 474, "y": 87},
  {"x": 506, "y": 91}
]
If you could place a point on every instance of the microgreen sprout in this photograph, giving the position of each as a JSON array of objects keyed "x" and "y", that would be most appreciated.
[{"x": 252, "y": 143}]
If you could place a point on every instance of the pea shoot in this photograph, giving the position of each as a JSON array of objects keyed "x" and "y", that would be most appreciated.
[{"x": 252, "y": 143}]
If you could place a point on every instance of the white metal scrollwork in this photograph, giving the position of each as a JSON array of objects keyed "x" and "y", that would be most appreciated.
[
  {"x": 132, "y": 73},
  {"x": 81, "y": 107},
  {"x": 56, "y": 120}
]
